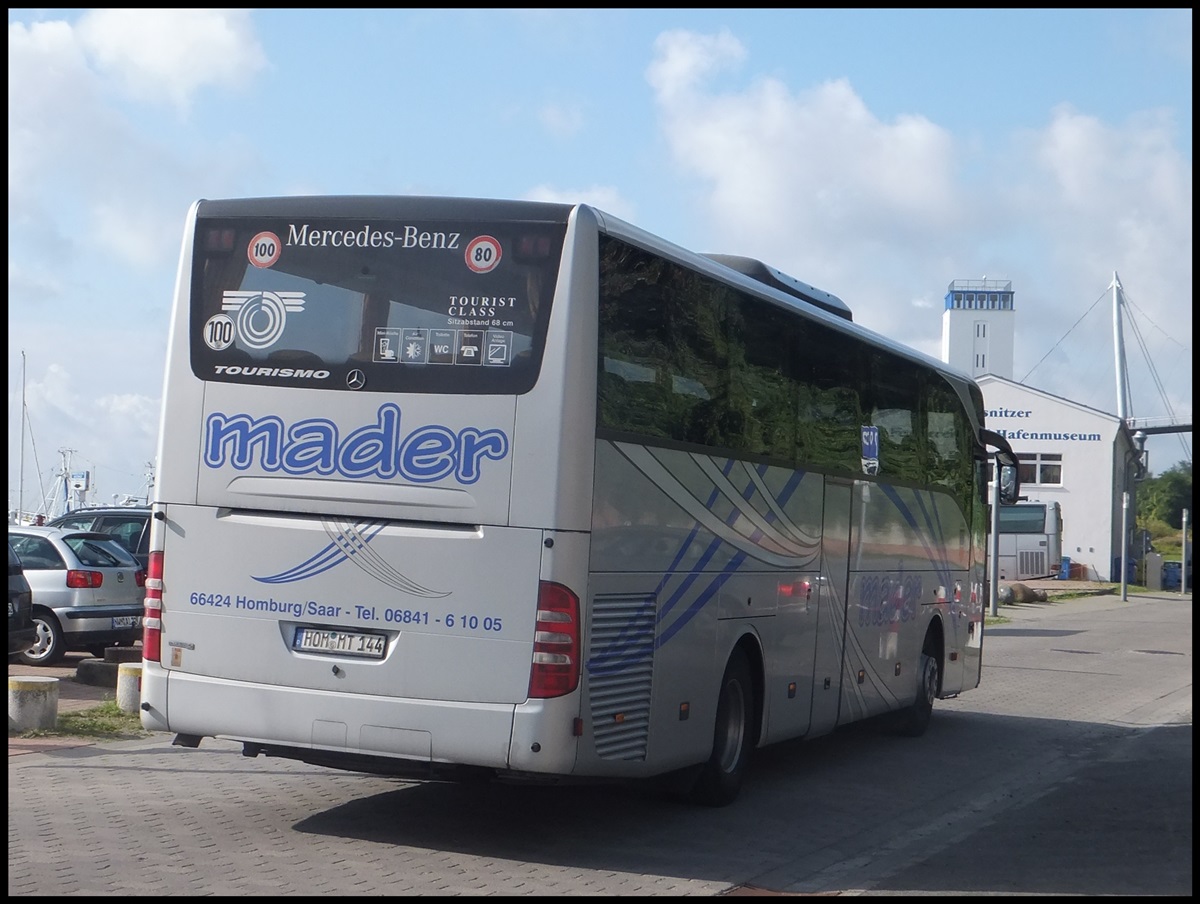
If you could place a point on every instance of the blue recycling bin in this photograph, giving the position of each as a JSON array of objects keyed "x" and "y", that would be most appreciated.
[
  {"x": 1172, "y": 575},
  {"x": 1064, "y": 573}
]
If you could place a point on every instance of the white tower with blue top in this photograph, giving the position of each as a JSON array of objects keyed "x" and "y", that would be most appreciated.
[{"x": 979, "y": 327}]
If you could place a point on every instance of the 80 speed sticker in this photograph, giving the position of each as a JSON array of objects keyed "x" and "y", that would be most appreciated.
[{"x": 483, "y": 253}]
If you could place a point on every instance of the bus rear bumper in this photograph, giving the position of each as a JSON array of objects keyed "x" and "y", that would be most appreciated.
[{"x": 331, "y": 729}]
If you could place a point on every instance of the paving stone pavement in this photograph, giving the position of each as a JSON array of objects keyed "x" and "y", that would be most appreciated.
[{"x": 849, "y": 814}]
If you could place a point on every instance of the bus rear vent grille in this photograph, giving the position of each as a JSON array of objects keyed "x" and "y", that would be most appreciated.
[
  {"x": 620, "y": 661},
  {"x": 1032, "y": 562}
]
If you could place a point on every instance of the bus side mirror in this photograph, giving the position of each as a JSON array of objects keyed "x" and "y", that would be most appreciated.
[
  {"x": 1006, "y": 461},
  {"x": 1010, "y": 483}
]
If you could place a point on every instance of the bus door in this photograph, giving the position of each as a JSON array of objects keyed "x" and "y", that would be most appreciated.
[{"x": 831, "y": 617}]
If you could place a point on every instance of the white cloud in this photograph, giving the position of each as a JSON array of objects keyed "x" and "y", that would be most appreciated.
[
  {"x": 166, "y": 55},
  {"x": 92, "y": 191},
  {"x": 886, "y": 214},
  {"x": 683, "y": 58},
  {"x": 53, "y": 106},
  {"x": 604, "y": 197},
  {"x": 73, "y": 155},
  {"x": 812, "y": 182},
  {"x": 561, "y": 121},
  {"x": 1105, "y": 198}
]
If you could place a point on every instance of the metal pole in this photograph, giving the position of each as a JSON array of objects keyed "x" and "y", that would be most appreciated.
[
  {"x": 994, "y": 545},
  {"x": 21, "y": 457},
  {"x": 1125, "y": 542},
  {"x": 1119, "y": 351},
  {"x": 1183, "y": 565}
]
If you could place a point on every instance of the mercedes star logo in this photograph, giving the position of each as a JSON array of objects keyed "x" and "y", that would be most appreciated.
[{"x": 356, "y": 379}]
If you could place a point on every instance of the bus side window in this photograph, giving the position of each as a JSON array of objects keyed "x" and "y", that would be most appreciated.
[{"x": 638, "y": 405}]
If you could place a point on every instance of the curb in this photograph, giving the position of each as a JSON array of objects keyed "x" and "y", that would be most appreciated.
[
  {"x": 97, "y": 673},
  {"x": 105, "y": 672}
]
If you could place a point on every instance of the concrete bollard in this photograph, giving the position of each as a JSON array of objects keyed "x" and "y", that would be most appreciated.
[
  {"x": 32, "y": 702},
  {"x": 129, "y": 686}
]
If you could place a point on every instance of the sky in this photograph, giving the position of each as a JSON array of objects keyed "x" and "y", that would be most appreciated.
[{"x": 876, "y": 154}]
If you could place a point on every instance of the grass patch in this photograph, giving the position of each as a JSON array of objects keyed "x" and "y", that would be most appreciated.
[
  {"x": 1107, "y": 591},
  {"x": 104, "y": 721}
]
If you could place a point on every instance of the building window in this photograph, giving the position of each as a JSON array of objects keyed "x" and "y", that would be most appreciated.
[
  {"x": 1043, "y": 468},
  {"x": 980, "y": 330},
  {"x": 980, "y": 361}
]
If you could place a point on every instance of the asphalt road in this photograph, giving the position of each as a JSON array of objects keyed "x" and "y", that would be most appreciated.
[{"x": 1067, "y": 772}]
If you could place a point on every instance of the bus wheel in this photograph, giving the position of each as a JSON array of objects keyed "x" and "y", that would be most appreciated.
[
  {"x": 914, "y": 720},
  {"x": 720, "y": 778}
]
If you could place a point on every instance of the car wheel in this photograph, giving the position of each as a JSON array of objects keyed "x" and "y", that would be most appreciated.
[
  {"x": 50, "y": 647},
  {"x": 720, "y": 778}
]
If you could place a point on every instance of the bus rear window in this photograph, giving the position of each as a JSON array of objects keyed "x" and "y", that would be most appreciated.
[
  {"x": 1022, "y": 519},
  {"x": 374, "y": 305}
]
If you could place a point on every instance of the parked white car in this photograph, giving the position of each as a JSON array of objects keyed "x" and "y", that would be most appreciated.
[{"x": 88, "y": 591}]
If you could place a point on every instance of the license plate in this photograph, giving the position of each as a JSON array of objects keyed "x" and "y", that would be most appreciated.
[
  {"x": 341, "y": 643},
  {"x": 126, "y": 621},
  {"x": 12, "y": 608}
]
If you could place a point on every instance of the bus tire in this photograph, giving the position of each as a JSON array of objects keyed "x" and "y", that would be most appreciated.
[
  {"x": 721, "y": 776},
  {"x": 915, "y": 719}
]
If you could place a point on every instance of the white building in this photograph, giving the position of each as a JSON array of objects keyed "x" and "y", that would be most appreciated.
[{"x": 1080, "y": 457}]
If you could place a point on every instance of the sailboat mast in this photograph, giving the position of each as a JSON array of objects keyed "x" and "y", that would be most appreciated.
[{"x": 21, "y": 457}]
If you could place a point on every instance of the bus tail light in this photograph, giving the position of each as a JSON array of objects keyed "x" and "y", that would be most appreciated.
[
  {"x": 555, "y": 668},
  {"x": 152, "y": 615}
]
